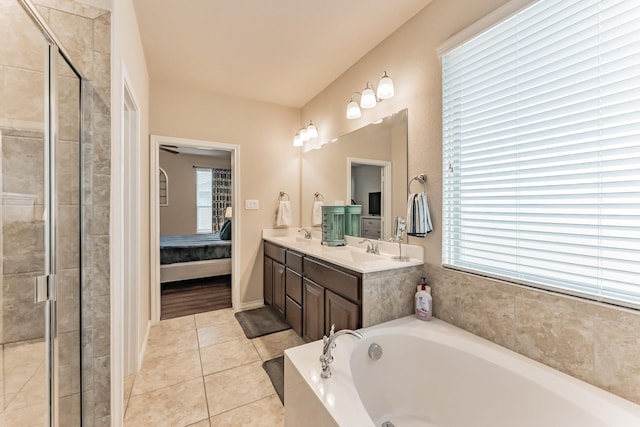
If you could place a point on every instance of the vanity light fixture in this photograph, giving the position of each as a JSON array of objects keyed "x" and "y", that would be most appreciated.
[
  {"x": 369, "y": 98},
  {"x": 305, "y": 134}
]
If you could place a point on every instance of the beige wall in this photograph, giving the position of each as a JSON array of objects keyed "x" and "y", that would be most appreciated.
[
  {"x": 127, "y": 53},
  {"x": 594, "y": 342},
  {"x": 268, "y": 162},
  {"x": 180, "y": 216}
]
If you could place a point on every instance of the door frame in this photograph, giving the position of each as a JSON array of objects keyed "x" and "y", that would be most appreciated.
[
  {"x": 131, "y": 226},
  {"x": 154, "y": 220}
]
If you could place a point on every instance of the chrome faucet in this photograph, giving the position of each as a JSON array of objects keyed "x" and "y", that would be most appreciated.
[
  {"x": 307, "y": 233},
  {"x": 372, "y": 248},
  {"x": 328, "y": 344}
]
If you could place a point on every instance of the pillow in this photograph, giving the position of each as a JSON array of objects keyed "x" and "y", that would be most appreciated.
[{"x": 225, "y": 231}]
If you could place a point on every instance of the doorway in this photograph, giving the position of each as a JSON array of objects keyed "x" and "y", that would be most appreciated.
[
  {"x": 203, "y": 220},
  {"x": 369, "y": 185}
]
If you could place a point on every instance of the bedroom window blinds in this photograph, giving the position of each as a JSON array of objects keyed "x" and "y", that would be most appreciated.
[
  {"x": 541, "y": 150},
  {"x": 213, "y": 198},
  {"x": 203, "y": 201}
]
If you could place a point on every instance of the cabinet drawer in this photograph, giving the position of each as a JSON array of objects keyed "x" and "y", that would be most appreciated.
[
  {"x": 340, "y": 282},
  {"x": 294, "y": 315},
  {"x": 294, "y": 285},
  {"x": 294, "y": 261},
  {"x": 274, "y": 252}
]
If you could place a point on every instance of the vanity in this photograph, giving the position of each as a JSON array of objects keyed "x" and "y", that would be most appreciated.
[{"x": 314, "y": 286}]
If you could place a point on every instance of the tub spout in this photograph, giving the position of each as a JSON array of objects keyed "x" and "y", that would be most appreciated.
[{"x": 328, "y": 344}]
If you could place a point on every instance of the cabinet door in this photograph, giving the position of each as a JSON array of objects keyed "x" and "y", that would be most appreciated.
[
  {"x": 340, "y": 311},
  {"x": 313, "y": 310},
  {"x": 268, "y": 281},
  {"x": 278, "y": 287}
]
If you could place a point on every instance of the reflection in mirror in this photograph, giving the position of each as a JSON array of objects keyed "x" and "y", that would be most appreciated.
[{"x": 366, "y": 167}]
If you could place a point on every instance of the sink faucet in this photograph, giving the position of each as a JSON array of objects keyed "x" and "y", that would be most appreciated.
[
  {"x": 329, "y": 343},
  {"x": 307, "y": 233},
  {"x": 372, "y": 248}
]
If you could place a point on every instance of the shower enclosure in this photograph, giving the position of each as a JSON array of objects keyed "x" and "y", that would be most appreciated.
[{"x": 40, "y": 224}]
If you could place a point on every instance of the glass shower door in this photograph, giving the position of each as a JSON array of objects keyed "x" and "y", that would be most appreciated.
[
  {"x": 65, "y": 172},
  {"x": 24, "y": 380},
  {"x": 40, "y": 234}
]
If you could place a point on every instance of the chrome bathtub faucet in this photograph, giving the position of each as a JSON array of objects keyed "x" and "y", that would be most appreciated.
[{"x": 329, "y": 343}]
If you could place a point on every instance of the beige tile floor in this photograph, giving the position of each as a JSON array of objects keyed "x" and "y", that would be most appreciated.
[
  {"x": 202, "y": 371},
  {"x": 22, "y": 384}
]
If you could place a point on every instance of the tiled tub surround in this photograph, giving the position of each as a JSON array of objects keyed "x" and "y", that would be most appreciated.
[
  {"x": 388, "y": 288},
  {"x": 595, "y": 342},
  {"x": 432, "y": 373}
]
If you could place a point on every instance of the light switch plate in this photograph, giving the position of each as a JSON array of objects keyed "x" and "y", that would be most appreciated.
[{"x": 251, "y": 204}]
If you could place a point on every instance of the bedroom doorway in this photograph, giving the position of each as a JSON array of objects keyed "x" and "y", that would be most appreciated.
[{"x": 193, "y": 226}]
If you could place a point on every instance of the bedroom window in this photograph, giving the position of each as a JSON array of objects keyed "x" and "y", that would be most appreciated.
[
  {"x": 541, "y": 150},
  {"x": 213, "y": 198},
  {"x": 204, "y": 198}
]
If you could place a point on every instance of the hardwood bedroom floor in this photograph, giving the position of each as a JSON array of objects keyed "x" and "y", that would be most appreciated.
[{"x": 195, "y": 296}]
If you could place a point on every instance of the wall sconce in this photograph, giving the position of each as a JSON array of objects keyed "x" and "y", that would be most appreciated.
[
  {"x": 369, "y": 98},
  {"x": 305, "y": 134}
]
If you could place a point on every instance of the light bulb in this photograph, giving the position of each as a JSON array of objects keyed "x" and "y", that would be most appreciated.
[
  {"x": 385, "y": 87},
  {"x": 312, "y": 131},
  {"x": 368, "y": 99},
  {"x": 353, "y": 110},
  {"x": 297, "y": 141},
  {"x": 303, "y": 135}
]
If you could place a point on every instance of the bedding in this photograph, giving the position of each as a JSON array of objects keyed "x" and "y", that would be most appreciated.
[{"x": 197, "y": 247}]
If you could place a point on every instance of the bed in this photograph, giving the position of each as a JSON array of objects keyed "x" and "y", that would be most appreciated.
[{"x": 187, "y": 257}]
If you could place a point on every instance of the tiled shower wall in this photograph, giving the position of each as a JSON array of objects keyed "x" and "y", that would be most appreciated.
[
  {"x": 597, "y": 343},
  {"x": 85, "y": 33}
]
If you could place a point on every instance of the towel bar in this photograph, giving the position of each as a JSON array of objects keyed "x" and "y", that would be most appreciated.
[{"x": 283, "y": 196}]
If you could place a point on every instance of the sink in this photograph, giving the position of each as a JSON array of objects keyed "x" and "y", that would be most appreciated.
[{"x": 351, "y": 255}]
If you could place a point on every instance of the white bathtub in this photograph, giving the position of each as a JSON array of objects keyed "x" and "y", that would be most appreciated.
[{"x": 434, "y": 374}]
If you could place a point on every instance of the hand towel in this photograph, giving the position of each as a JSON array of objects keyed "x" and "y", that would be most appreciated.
[
  {"x": 316, "y": 217},
  {"x": 283, "y": 214},
  {"x": 418, "y": 218}
]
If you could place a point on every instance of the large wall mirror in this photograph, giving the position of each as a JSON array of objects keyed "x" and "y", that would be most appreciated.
[{"x": 366, "y": 167}]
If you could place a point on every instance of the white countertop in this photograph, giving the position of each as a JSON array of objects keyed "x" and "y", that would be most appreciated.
[{"x": 352, "y": 256}]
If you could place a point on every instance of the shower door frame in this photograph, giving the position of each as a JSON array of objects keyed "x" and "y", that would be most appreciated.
[{"x": 46, "y": 290}]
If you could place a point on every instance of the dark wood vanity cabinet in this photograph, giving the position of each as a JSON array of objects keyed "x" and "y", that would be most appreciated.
[
  {"x": 274, "y": 276},
  {"x": 310, "y": 293},
  {"x": 293, "y": 285}
]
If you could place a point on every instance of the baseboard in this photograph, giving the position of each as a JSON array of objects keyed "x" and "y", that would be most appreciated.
[
  {"x": 243, "y": 306},
  {"x": 144, "y": 346}
]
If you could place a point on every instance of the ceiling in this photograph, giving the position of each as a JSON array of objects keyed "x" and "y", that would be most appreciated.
[{"x": 278, "y": 51}]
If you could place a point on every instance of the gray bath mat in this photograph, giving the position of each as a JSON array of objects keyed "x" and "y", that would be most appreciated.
[
  {"x": 261, "y": 321},
  {"x": 275, "y": 370}
]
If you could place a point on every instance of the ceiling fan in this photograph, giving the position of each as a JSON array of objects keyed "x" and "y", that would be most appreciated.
[{"x": 170, "y": 149}]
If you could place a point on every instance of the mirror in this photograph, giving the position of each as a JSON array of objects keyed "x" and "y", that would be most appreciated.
[{"x": 366, "y": 167}]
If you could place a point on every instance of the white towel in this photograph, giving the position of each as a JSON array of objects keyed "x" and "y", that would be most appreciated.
[
  {"x": 283, "y": 214},
  {"x": 316, "y": 217},
  {"x": 418, "y": 218}
]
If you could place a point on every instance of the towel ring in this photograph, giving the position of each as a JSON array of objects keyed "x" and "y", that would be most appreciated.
[
  {"x": 318, "y": 197},
  {"x": 422, "y": 178},
  {"x": 283, "y": 196}
]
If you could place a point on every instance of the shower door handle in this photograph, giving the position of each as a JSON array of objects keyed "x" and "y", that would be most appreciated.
[{"x": 43, "y": 288}]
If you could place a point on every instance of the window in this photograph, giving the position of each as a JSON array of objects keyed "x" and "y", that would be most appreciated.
[
  {"x": 213, "y": 197},
  {"x": 204, "y": 188},
  {"x": 163, "y": 186},
  {"x": 541, "y": 150}
]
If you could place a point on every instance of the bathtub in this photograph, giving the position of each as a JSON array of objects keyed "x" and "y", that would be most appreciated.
[{"x": 434, "y": 374}]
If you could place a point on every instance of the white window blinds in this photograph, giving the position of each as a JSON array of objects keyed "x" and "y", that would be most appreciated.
[
  {"x": 204, "y": 215},
  {"x": 541, "y": 150}
]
